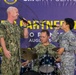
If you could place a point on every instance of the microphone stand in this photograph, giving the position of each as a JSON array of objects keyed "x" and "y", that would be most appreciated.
[{"x": 47, "y": 64}]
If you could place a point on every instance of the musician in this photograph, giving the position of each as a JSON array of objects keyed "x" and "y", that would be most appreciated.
[
  {"x": 44, "y": 46},
  {"x": 67, "y": 41},
  {"x": 10, "y": 41}
]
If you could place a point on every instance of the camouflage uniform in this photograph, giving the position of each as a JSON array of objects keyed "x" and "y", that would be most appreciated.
[
  {"x": 11, "y": 34},
  {"x": 68, "y": 42},
  {"x": 41, "y": 50}
]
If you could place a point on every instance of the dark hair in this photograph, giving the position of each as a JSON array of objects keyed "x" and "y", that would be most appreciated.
[
  {"x": 47, "y": 32},
  {"x": 70, "y": 22}
]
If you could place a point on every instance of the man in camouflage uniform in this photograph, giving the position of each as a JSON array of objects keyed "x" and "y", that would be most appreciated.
[
  {"x": 10, "y": 42},
  {"x": 67, "y": 41},
  {"x": 43, "y": 46}
]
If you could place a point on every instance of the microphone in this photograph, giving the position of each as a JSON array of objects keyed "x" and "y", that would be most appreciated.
[
  {"x": 54, "y": 26},
  {"x": 20, "y": 17}
]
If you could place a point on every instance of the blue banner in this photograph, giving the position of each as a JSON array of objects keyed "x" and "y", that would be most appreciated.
[{"x": 41, "y": 14}]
